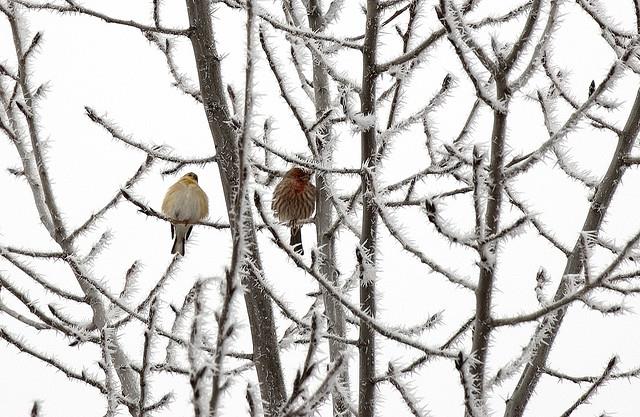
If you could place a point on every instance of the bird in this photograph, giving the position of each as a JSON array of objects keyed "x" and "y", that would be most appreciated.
[
  {"x": 294, "y": 199},
  {"x": 184, "y": 203}
]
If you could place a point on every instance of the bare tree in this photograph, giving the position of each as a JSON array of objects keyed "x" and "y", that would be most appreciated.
[{"x": 391, "y": 80}]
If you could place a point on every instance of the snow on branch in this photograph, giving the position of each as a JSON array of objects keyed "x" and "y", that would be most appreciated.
[
  {"x": 88, "y": 224},
  {"x": 181, "y": 81},
  {"x": 253, "y": 401},
  {"x": 281, "y": 304},
  {"x": 584, "y": 398},
  {"x": 606, "y": 84},
  {"x": 298, "y": 60},
  {"x": 197, "y": 361},
  {"x": 460, "y": 35},
  {"x": 74, "y": 8},
  {"x": 631, "y": 373},
  {"x": 130, "y": 283},
  {"x": 473, "y": 404},
  {"x": 320, "y": 395},
  {"x": 107, "y": 366},
  {"x": 424, "y": 359},
  {"x": 540, "y": 227},
  {"x": 305, "y": 163},
  {"x": 42, "y": 281},
  {"x": 510, "y": 231},
  {"x": 22, "y": 318},
  {"x": 339, "y": 78},
  {"x": 598, "y": 14},
  {"x": 559, "y": 88},
  {"x": 512, "y": 367},
  {"x": 436, "y": 102},
  {"x": 146, "y": 357},
  {"x": 148, "y": 211},
  {"x": 439, "y": 34},
  {"x": 303, "y": 376},
  {"x": 158, "y": 152},
  {"x": 225, "y": 332},
  {"x": 55, "y": 324},
  {"x": 407, "y": 396},
  {"x": 463, "y": 46},
  {"x": 435, "y": 171},
  {"x": 303, "y": 32},
  {"x": 296, "y": 108},
  {"x": 572, "y": 295},
  {"x": 525, "y": 36},
  {"x": 390, "y": 224},
  {"x": 336, "y": 293},
  {"x": 66, "y": 370},
  {"x": 540, "y": 46}
]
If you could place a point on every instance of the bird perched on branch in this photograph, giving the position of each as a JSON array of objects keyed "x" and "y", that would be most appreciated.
[
  {"x": 185, "y": 203},
  {"x": 294, "y": 200}
]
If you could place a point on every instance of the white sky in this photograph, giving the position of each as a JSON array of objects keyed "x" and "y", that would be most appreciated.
[{"x": 116, "y": 71}]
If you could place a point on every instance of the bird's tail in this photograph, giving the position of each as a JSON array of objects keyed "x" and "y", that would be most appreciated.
[
  {"x": 296, "y": 240},
  {"x": 182, "y": 232}
]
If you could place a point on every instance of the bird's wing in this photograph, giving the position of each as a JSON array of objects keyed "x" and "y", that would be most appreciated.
[
  {"x": 203, "y": 203},
  {"x": 276, "y": 193},
  {"x": 170, "y": 201}
]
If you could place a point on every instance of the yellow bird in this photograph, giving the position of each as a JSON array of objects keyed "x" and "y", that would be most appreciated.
[{"x": 185, "y": 203}]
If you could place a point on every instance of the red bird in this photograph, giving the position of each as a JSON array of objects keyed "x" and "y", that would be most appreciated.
[{"x": 294, "y": 199}]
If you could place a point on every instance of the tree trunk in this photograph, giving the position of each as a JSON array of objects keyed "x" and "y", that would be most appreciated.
[
  {"x": 482, "y": 328},
  {"x": 266, "y": 355},
  {"x": 323, "y": 219},
  {"x": 367, "y": 346}
]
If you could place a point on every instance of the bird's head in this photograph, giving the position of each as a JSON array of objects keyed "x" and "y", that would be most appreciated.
[
  {"x": 298, "y": 174},
  {"x": 191, "y": 176}
]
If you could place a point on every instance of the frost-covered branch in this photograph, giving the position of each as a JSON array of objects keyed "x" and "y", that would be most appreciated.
[
  {"x": 584, "y": 398},
  {"x": 37, "y": 277},
  {"x": 83, "y": 376},
  {"x": 74, "y": 8},
  {"x": 337, "y": 294},
  {"x": 146, "y": 357},
  {"x": 593, "y": 222},
  {"x": 572, "y": 121},
  {"x": 181, "y": 81},
  {"x": 88, "y": 224},
  {"x": 158, "y": 152},
  {"x": 302, "y": 32},
  {"x": 433, "y": 265},
  {"x": 305, "y": 163},
  {"x": 438, "y": 35},
  {"x": 407, "y": 396},
  {"x": 148, "y": 211},
  {"x": 559, "y": 88}
]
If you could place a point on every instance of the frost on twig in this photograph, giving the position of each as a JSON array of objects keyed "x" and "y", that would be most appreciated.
[
  {"x": 300, "y": 45},
  {"x": 584, "y": 398},
  {"x": 473, "y": 402},
  {"x": 408, "y": 395}
]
